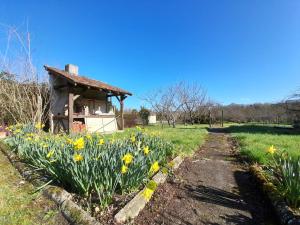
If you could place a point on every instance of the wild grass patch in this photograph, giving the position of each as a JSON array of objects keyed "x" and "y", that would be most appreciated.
[
  {"x": 278, "y": 148},
  {"x": 186, "y": 138},
  {"x": 255, "y": 139}
]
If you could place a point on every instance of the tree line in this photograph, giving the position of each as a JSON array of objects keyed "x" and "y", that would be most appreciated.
[{"x": 188, "y": 103}]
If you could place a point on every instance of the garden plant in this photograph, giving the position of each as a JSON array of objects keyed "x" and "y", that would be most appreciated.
[
  {"x": 93, "y": 166},
  {"x": 284, "y": 171}
]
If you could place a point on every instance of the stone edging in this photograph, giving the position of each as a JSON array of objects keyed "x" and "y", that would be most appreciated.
[
  {"x": 133, "y": 208},
  {"x": 71, "y": 211},
  {"x": 285, "y": 214}
]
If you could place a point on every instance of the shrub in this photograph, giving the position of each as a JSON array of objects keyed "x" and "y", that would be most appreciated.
[
  {"x": 130, "y": 119},
  {"x": 91, "y": 165},
  {"x": 144, "y": 114},
  {"x": 285, "y": 174}
]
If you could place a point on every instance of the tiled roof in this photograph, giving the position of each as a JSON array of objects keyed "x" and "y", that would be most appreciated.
[{"x": 86, "y": 81}]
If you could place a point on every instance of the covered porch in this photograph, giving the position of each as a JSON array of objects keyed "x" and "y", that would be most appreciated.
[{"x": 79, "y": 103}]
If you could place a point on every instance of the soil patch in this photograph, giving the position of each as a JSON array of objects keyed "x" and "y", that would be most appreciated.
[{"x": 212, "y": 187}]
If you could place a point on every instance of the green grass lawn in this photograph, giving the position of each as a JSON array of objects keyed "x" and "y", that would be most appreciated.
[
  {"x": 254, "y": 139},
  {"x": 17, "y": 203},
  {"x": 186, "y": 139}
]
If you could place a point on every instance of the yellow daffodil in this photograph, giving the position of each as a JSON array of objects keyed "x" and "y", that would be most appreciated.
[
  {"x": 30, "y": 135},
  {"x": 89, "y": 137},
  {"x": 77, "y": 157},
  {"x": 29, "y": 139},
  {"x": 101, "y": 141},
  {"x": 39, "y": 126},
  {"x": 171, "y": 164},
  {"x": 164, "y": 170},
  {"x": 50, "y": 154},
  {"x": 124, "y": 169},
  {"x": 271, "y": 149},
  {"x": 97, "y": 158},
  {"x": 43, "y": 145},
  {"x": 152, "y": 185},
  {"x": 146, "y": 150},
  {"x": 154, "y": 167},
  {"x": 147, "y": 193},
  {"x": 69, "y": 141},
  {"x": 17, "y": 131},
  {"x": 10, "y": 127},
  {"x": 127, "y": 158},
  {"x": 79, "y": 144},
  {"x": 36, "y": 139},
  {"x": 138, "y": 128},
  {"x": 132, "y": 139}
]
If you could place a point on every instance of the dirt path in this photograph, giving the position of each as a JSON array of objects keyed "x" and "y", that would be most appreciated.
[
  {"x": 209, "y": 188},
  {"x": 18, "y": 204}
]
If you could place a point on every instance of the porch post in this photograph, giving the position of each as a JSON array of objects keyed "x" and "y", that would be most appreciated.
[
  {"x": 70, "y": 111},
  {"x": 121, "y": 111}
]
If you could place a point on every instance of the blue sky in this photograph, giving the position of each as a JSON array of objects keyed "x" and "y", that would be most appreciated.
[{"x": 240, "y": 51}]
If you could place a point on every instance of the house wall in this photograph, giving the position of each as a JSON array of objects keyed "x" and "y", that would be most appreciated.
[
  {"x": 152, "y": 119},
  {"x": 59, "y": 99},
  {"x": 107, "y": 125}
]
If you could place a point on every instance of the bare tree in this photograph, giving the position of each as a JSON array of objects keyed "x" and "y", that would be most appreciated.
[
  {"x": 24, "y": 93},
  {"x": 165, "y": 102},
  {"x": 171, "y": 103},
  {"x": 181, "y": 99},
  {"x": 192, "y": 99}
]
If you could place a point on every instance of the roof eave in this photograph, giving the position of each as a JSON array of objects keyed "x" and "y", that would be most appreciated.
[{"x": 51, "y": 71}]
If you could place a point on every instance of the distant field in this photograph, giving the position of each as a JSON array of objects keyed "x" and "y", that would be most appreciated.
[
  {"x": 187, "y": 139},
  {"x": 254, "y": 139}
]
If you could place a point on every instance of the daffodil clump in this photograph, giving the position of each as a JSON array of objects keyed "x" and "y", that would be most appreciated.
[
  {"x": 284, "y": 173},
  {"x": 149, "y": 190},
  {"x": 91, "y": 164}
]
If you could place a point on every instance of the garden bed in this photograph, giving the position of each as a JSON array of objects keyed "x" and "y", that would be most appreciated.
[{"x": 129, "y": 164}]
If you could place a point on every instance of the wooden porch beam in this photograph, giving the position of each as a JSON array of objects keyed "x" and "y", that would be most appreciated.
[
  {"x": 122, "y": 98},
  {"x": 118, "y": 98},
  {"x": 70, "y": 111},
  {"x": 56, "y": 87}
]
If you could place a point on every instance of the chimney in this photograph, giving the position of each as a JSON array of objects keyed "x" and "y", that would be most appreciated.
[{"x": 70, "y": 68}]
